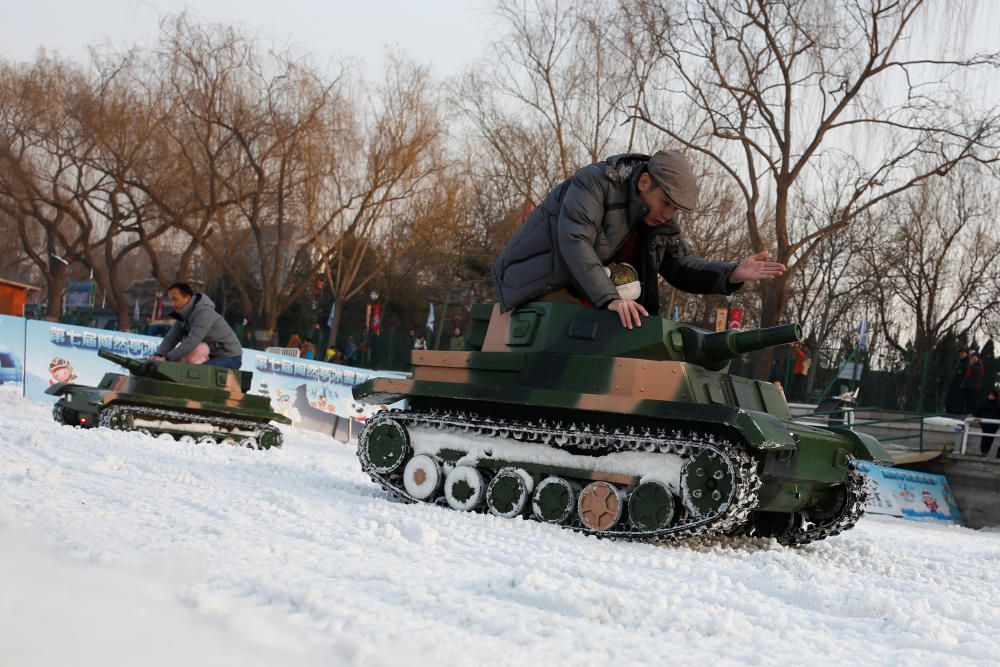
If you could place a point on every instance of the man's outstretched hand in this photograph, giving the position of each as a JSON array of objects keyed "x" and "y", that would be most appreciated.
[
  {"x": 755, "y": 268},
  {"x": 628, "y": 312}
]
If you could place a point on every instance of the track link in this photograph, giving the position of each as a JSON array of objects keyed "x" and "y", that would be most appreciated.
[
  {"x": 594, "y": 438},
  {"x": 852, "y": 510},
  {"x": 246, "y": 432}
]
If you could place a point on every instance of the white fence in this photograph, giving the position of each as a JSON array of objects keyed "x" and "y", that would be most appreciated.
[{"x": 967, "y": 431}]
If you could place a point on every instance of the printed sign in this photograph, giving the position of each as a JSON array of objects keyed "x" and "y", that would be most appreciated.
[
  {"x": 315, "y": 395},
  {"x": 58, "y": 352},
  {"x": 12, "y": 350},
  {"x": 909, "y": 494}
]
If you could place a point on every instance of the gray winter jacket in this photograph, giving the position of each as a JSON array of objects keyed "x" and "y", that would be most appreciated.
[
  {"x": 197, "y": 322},
  {"x": 579, "y": 228}
]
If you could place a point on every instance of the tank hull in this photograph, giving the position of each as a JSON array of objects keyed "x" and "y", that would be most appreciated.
[
  {"x": 561, "y": 415},
  {"x": 161, "y": 406}
]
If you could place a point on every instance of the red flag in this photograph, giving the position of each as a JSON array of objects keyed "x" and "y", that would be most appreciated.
[{"x": 736, "y": 317}]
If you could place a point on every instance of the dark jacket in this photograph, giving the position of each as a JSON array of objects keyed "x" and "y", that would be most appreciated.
[
  {"x": 578, "y": 228},
  {"x": 197, "y": 322},
  {"x": 988, "y": 410},
  {"x": 974, "y": 376}
]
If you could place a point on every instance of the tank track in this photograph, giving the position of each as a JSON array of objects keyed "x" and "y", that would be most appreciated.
[
  {"x": 592, "y": 437},
  {"x": 223, "y": 427},
  {"x": 59, "y": 411},
  {"x": 850, "y": 513}
]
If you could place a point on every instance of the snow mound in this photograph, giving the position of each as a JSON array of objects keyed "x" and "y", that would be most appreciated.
[{"x": 116, "y": 548}]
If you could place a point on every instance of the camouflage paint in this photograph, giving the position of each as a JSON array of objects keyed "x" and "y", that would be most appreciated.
[
  {"x": 581, "y": 361},
  {"x": 169, "y": 384}
]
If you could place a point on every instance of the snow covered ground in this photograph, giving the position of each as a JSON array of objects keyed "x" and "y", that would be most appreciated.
[{"x": 117, "y": 549}]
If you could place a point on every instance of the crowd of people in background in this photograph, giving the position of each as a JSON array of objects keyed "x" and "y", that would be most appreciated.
[
  {"x": 357, "y": 350},
  {"x": 965, "y": 395}
]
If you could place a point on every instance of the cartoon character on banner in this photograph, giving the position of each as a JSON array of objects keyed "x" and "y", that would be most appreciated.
[
  {"x": 351, "y": 409},
  {"x": 61, "y": 371},
  {"x": 930, "y": 502}
]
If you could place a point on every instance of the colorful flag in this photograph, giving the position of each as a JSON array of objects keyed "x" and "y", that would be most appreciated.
[
  {"x": 430, "y": 319},
  {"x": 720, "y": 319},
  {"x": 863, "y": 333},
  {"x": 329, "y": 318}
]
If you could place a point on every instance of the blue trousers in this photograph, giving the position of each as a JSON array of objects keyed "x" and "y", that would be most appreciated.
[{"x": 227, "y": 362}]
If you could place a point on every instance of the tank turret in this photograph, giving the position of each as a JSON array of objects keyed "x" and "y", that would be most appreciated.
[
  {"x": 172, "y": 399},
  {"x": 560, "y": 414},
  {"x": 137, "y": 367}
]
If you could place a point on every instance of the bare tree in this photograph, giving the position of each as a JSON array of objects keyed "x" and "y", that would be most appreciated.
[
  {"x": 553, "y": 94},
  {"x": 939, "y": 262},
  {"x": 772, "y": 91},
  {"x": 392, "y": 157},
  {"x": 41, "y": 181},
  {"x": 935, "y": 267},
  {"x": 830, "y": 295}
]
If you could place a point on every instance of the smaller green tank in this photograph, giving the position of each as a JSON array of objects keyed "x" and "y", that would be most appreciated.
[{"x": 189, "y": 402}]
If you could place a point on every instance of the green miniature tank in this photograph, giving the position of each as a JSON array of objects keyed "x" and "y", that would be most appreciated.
[
  {"x": 193, "y": 403},
  {"x": 561, "y": 414}
]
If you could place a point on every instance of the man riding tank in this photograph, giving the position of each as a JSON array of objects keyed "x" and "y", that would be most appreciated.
[
  {"x": 199, "y": 335},
  {"x": 593, "y": 219}
]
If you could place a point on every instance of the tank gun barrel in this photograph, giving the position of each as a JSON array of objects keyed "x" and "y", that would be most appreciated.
[
  {"x": 136, "y": 367},
  {"x": 713, "y": 351}
]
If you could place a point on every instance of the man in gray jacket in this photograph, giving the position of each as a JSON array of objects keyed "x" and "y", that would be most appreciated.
[
  {"x": 623, "y": 210},
  {"x": 200, "y": 335}
]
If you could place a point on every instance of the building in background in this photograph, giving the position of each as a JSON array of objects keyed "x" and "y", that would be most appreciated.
[{"x": 13, "y": 296}]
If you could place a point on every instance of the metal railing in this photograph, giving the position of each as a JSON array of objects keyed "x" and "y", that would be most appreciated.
[
  {"x": 850, "y": 422},
  {"x": 966, "y": 431}
]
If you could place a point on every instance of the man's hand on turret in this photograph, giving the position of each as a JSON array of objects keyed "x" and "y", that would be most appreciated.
[
  {"x": 628, "y": 312},
  {"x": 157, "y": 357},
  {"x": 755, "y": 268}
]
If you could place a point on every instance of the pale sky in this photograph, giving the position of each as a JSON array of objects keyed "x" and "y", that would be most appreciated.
[{"x": 446, "y": 35}]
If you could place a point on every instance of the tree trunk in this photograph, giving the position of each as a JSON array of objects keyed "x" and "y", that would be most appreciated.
[
  {"x": 335, "y": 325},
  {"x": 55, "y": 284},
  {"x": 772, "y": 307}
]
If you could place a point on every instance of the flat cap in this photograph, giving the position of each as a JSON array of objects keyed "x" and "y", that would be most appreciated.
[{"x": 672, "y": 173}]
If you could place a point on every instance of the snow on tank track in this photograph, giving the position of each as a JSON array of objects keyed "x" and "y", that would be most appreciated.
[
  {"x": 156, "y": 421},
  {"x": 733, "y": 512}
]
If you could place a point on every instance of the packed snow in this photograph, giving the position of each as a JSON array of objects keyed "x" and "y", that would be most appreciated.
[{"x": 120, "y": 549}]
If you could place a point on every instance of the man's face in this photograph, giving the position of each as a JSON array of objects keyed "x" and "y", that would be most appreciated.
[
  {"x": 178, "y": 299},
  {"x": 660, "y": 208}
]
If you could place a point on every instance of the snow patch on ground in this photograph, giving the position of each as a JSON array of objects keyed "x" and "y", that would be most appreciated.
[{"x": 116, "y": 548}]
